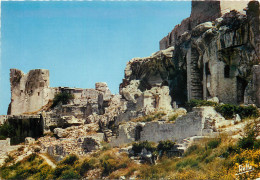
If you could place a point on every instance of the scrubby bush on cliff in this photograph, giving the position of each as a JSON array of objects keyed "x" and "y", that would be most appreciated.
[
  {"x": 165, "y": 146},
  {"x": 139, "y": 146},
  {"x": 249, "y": 141},
  {"x": 62, "y": 97},
  {"x": 70, "y": 159},
  {"x": 151, "y": 117},
  {"x": 6, "y": 131},
  {"x": 229, "y": 110}
]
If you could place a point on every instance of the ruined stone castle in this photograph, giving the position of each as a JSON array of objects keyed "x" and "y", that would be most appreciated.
[{"x": 213, "y": 54}]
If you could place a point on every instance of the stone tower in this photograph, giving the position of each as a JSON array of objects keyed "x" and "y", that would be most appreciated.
[{"x": 29, "y": 92}]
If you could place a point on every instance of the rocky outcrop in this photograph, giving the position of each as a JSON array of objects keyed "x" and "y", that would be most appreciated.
[
  {"x": 214, "y": 53},
  {"x": 201, "y": 11},
  {"x": 150, "y": 71}
]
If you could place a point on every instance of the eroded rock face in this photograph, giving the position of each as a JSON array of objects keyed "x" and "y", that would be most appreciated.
[
  {"x": 217, "y": 49},
  {"x": 150, "y": 71},
  {"x": 252, "y": 93},
  {"x": 201, "y": 11}
]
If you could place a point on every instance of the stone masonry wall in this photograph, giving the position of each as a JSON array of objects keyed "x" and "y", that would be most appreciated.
[{"x": 199, "y": 122}]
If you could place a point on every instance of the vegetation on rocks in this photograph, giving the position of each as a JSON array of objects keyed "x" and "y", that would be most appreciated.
[
  {"x": 151, "y": 117},
  {"x": 197, "y": 103},
  {"x": 213, "y": 158},
  {"x": 6, "y": 131},
  {"x": 226, "y": 110},
  {"x": 208, "y": 159},
  {"x": 229, "y": 110},
  {"x": 162, "y": 147},
  {"x": 63, "y": 98}
]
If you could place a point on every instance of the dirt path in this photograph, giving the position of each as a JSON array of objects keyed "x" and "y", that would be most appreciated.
[{"x": 49, "y": 162}]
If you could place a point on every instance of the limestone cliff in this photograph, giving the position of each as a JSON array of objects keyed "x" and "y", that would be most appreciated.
[{"x": 211, "y": 54}]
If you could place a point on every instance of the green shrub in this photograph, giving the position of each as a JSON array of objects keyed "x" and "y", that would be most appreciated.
[
  {"x": 165, "y": 146},
  {"x": 192, "y": 149},
  {"x": 59, "y": 169},
  {"x": 6, "y": 131},
  {"x": 229, "y": 150},
  {"x": 214, "y": 143},
  {"x": 86, "y": 166},
  {"x": 110, "y": 163},
  {"x": 70, "y": 160},
  {"x": 45, "y": 172},
  {"x": 69, "y": 174},
  {"x": 151, "y": 117},
  {"x": 249, "y": 141},
  {"x": 138, "y": 146},
  {"x": 158, "y": 115},
  {"x": 189, "y": 162},
  {"x": 229, "y": 110},
  {"x": 247, "y": 111},
  {"x": 226, "y": 110},
  {"x": 63, "y": 98}
]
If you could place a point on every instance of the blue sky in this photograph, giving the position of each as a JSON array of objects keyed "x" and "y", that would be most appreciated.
[{"x": 82, "y": 42}]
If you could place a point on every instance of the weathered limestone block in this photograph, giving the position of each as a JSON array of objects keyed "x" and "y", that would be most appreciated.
[
  {"x": 126, "y": 134},
  {"x": 61, "y": 133},
  {"x": 71, "y": 120},
  {"x": 214, "y": 99},
  {"x": 131, "y": 92},
  {"x": 57, "y": 152},
  {"x": 156, "y": 99},
  {"x": 5, "y": 142},
  {"x": 3, "y": 119},
  {"x": 29, "y": 140},
  {"x": 102, "y": 87},
  {"x": 143, "y": 103}
]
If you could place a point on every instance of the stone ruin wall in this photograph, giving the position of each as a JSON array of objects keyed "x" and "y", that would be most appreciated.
[
  {"x": 31, "y": 91},
  {"x": 200, "y": 122}
]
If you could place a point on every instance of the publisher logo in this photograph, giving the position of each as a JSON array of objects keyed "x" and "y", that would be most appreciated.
[{"x": 242, "y": 169}]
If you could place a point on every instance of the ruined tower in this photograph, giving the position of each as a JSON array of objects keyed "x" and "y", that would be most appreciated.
[{"x": 29, "y": 92}]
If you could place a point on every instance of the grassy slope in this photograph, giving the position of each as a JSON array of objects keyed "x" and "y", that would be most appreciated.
[{"x": 209, "y": 159}]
